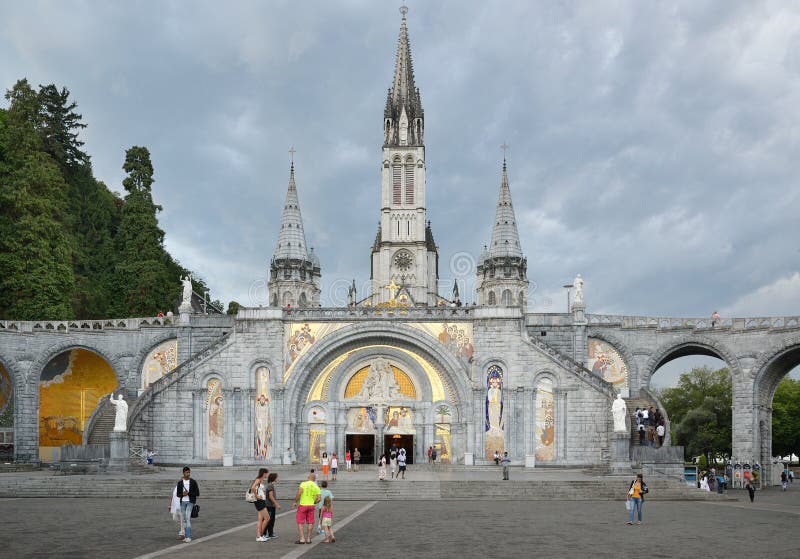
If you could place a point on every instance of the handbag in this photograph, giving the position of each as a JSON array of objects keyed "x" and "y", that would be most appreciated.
[
  {"x": 249, "y": 496},
  {"x": 628, "y": 504},
  {"x": 195, "y": 511}
]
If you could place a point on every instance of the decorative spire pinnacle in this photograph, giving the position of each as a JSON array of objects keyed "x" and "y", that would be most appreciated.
[
  {"x": 403, "y": 96},
  {"x": 404, "y": 9},
  {"x": 291, "y": 237},
  {"x": 505, "y": 237}
]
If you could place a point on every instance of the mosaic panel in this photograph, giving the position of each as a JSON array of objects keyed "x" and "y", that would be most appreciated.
[
  {"x": 159, "y": 362},
  {"x": 544, "y": 430},
  {"x": 215, "y": 408},
  {"x": 606, "y": 362}
]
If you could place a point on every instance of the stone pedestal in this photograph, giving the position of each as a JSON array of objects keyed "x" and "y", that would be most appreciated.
[
  {"x": 120, "y": 460},
  {"x": 620, "y": 453},
  {"x": 227, "y": 460},
  {"x": 530, "y": 460},
  {"x": 469, "y": 459}
]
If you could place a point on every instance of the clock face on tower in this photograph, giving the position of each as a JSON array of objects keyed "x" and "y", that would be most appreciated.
[{"x": 403, "y": 260}]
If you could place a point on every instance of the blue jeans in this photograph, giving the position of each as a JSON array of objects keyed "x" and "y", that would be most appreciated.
[
  {"x": 636, "y": 505},
  {"x": 186, "y": 512}
]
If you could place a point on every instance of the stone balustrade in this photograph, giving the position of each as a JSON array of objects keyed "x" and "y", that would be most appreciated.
[
  {"x": 65, "y": 326},
  {"x": 672, "y": 323}
]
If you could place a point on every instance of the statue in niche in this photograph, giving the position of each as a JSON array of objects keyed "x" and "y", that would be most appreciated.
[
  {"x": 121, "y": 417},
  {"x": 494, "y": 403},
  {"x": 578, "y": 283},
  {"x": 187, "y": 289},
  {"x": 379, "y": 383},
  {"x": 619, "y": 411}
]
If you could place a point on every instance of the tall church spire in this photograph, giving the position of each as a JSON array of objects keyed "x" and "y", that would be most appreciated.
[
  {"x": 505, "y": 237},
  {"x": 403, "y": 116},
  {"x": 503, "y": 269},
  {"x": 294, "y": 271}
]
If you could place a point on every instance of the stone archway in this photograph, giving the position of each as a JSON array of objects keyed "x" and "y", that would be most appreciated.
[
  {"x": 394, "y": 340},
  {"x": 689, "y": 345}
]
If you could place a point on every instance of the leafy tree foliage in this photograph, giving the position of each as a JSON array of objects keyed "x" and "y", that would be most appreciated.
[
  {"x": 786, "y": 418},
  {"x": 233, "y": 307},
  {"x": 68, "y": 245},
  {"x": 700, "y": 411}
]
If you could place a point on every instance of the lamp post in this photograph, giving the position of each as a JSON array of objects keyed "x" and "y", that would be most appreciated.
[{"x": 568, "y": 287}]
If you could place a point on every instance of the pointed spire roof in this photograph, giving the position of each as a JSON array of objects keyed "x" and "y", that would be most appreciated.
[
  {"x": 291, "y": 237},
  {"x": 403, "y": 92},
  {"x": 505, "y": 237}
]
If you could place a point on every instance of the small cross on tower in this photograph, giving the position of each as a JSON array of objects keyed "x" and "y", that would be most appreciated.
[
  {"x": 504, "y": 146},
  {"x": 292, "y": 151}
]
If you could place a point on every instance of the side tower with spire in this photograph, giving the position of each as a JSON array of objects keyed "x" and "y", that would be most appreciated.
[
  {"x": 502, "y": 268},
  {"x": 404, "y": 253},
  {"x": 294, "y": 271}
]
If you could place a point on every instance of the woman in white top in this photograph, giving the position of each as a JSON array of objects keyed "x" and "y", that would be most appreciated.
[
  {"x": 257, "y": 488},
  {"x": 334, "y": 466}
]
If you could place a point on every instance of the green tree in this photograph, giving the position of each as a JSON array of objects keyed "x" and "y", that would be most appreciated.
[
  {"x": 58, "y": 125},
  {"x": 144, "y": 281},
  {"x": 699, "y": 409},
  {"x": 786, "y": 418},
  {"x": 36, "y": 275},
  {"x": 233, "y": 307}
]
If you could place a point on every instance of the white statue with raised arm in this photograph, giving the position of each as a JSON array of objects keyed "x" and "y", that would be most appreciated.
[
  {"x": 121, "y": 419},
  {"x": 619, "y": 411},
  {"x": 187, "y": 289}
]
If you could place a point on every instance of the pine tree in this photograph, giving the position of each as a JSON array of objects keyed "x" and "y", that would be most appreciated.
[{"x": 36, "y": 276}]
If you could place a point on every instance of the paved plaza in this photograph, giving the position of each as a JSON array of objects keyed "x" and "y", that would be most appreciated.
[{"x": 135, "y": 528}]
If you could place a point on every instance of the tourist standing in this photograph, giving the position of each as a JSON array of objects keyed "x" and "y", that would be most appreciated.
[
  {"x": 642, "y": 433},
  {"x": 323, "y": 494},
  {"x": 496, "y": 457},
  {"x": 430, "y": 454},
  {"x": 784, "y": 481},
  {"x": 272, "y": 505},
  {"x": 506, "y": 462},
  {"x": 306, "y": 497},
  {"x": 660, "y": 432},
  {"x": 791, "y": 476},
  {"x": 334, "y": 466},
  {"x": 189, "y": 491},
  {"x": 356, "y": 460},
  {"x": 325, "y": 465},
  {"x": 434, "y": 456},
  {"x": 401, "y": 462},
  {"x": 751, "y": 489},
  {"x": 714, "y": 318},
  {"x": 347, "y": 459},
  {"x": 382, "y": 468},
  {"x": 175, "y": 510},
  {"x": 327, "y": 520},
  {"x": 257, "y": 489},
  {"x": 393, "y": 463},
  {"x": 636, "y": 494}
]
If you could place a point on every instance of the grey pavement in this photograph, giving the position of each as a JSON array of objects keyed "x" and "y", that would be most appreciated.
[{"x": 131, "y": 528}]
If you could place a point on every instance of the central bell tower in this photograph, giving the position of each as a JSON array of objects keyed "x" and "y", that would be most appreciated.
[{"x": 404, "y": 253}]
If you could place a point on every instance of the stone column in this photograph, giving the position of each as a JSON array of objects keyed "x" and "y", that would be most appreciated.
[
  {"x": 579, "y": 324},
  {"x": 561, "y": 412},
  {"x": 26, "y": 418},
  {"x": 198, "y": 433},
  {"x": 120, "y": 460},
  {"x": 620, "y": 452},
  {"x": 301, "y": 443},
  {"x": 228, "y": 431},
  {"x": 379, "y": 426},
  {"x": 529, "y": 418}
]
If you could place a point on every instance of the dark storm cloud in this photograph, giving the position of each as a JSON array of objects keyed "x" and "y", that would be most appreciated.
[{"x": 653, "y": 146}]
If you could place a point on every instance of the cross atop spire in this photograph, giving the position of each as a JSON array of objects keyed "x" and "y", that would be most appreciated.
[
  {"x": 404, "y": 9},
  {"x": 505, "y": 236},
  {"x": 292, "y": 151}
]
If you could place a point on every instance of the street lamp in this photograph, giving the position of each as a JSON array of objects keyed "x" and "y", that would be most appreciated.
[{"x": 568, "y": 287}]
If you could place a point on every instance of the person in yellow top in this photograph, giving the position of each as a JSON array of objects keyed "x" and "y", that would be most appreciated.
[
  {"x": 636, "y": 494},
  {"x": 306, "y": 497}
]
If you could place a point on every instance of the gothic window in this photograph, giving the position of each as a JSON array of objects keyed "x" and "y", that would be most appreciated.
[
  {"x": 288, "y": 299},
  {"x": 303, "y": 302},
  {"x": 403, "y": 260},
  {"x": 492, "y": 300},
  {"x": 397, "y": 177},
  {"x": 409, "y": 172},
  {"x": 507, "y": 299}
]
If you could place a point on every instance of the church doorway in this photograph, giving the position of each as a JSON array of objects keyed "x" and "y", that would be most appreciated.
[
  {"x": 400, "y": 441},
  {"x": 365, "y": 445}
]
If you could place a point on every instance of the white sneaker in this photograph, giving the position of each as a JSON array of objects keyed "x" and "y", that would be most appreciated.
[
  {"x": 261, "y": 539},
  {"x": 187, "y": 540}
]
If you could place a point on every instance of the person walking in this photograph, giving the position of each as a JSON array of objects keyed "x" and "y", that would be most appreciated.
[
  {"x": 323, "y": 494},
  {"x": 257, "y": 489},
  {"x": 430, "y": 453},
  {"x": 347, "y": 459},
  {"x": 660, "y": 432},
  {"x": 272, "y": 505},
  {"x": 784, "y": 481},
  {"x": 714, "y": 319},
  {"x": 393, "y": 463},
  {"x": 334, "y": 466},
  {"x": 327, "y": 520},
  {"x": 751, "y": 489},
  {"x": 382, "y": 468},
  {"x": 189, "y": 491},
  {"x": 175, "y": 510},
  {"x": 401, "y": 462},
  {"x": 356, "y": 460},
  {"x": 325, "y": 465},
  {"x": 496, "y": 457},
  {"x": 506, "y": 462},
  {"x": 304, "y": 500},
  {"x": 434, "y": 455},
  {"x": 636, "y": 493}
]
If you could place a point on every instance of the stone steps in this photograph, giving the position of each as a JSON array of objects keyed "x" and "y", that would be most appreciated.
[{"x": 401, "y": 490}]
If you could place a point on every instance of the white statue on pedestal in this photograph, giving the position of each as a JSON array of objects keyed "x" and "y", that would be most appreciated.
[
  {"x": 578, "y": 284},
  {"x": 187, "y": 289},
  {"x": 619, "y": 411},
  {"x": 121, "y": 419}
]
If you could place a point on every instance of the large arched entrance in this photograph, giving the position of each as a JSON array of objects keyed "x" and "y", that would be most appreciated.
[
  {"x": 71, "y": 385},
  {"x": 375, "y": 388}
]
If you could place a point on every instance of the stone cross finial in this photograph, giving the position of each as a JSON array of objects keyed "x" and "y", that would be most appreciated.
[
  {"x": 504, "y": 146},
  {"x": 292, "y": 151}
]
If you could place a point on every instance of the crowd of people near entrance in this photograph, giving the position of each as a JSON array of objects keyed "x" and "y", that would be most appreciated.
[{"x": 651, "y": 426}]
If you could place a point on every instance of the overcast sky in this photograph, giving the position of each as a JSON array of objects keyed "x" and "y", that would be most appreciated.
[{"x": 654, "y": 145}]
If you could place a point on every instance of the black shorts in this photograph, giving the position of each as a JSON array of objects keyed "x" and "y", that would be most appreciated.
[
  {"x": 403, "y": 468},
  {"x": 260, "y": 505}
]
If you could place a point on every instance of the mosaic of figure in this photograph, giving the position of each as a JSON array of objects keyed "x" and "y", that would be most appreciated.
[
  {"x": 379, "y": 384},
  {"x": 495, "y": 422},
  {"x": 442, "y": 438},
  {"x": 300, "y": 339},
  {"x": 361, "y": 420},
  {"x": 544, "y": 430},
  {"x": 399, "y": 420},
  {"x": 263, "y": 415},
  {"x": 215, "y": 405},
  {"x": 606, "y": 362},
  {"x": 159, "y": 362}
]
